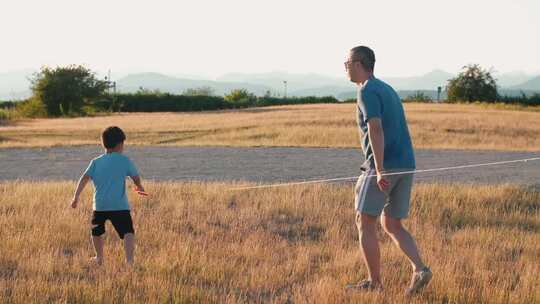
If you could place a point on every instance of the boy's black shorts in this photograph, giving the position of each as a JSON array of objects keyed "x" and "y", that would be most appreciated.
[{"x": 121, "y": 221}]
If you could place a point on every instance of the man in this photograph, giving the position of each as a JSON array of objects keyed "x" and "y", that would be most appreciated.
[{"x": 387, "y": 148}]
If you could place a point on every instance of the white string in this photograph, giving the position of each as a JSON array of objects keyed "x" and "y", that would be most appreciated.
[{"x": 384, "y": 174}]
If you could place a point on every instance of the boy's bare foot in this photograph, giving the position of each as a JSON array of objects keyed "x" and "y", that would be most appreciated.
[
  {"x": 96, "y": 261},
  {"x": 129, "y": 268}
]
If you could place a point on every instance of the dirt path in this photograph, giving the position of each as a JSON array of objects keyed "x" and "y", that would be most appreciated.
[{"x": 260, "y": 164}]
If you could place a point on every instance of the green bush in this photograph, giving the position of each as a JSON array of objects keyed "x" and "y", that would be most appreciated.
[
  {"x": 533, "y": 100},
  {"x": 7, "y": 104},
  {"x": 165, "y": 102},
  {"x": 31, "y": 108},
  {"x": 160, "y": 103},
  {"x": 523, "y": 100},
  {"x": 418, "y": 97},
  {"x": 240, "y": 98},
  {"x": 274, "y": 101},
  {"x": 5, "y": 115}
]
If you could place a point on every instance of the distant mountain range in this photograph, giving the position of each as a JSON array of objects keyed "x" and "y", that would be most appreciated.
[
  {"x": 164, "y": 83},
  {"x": 532, "y": 84},
  {"x": 511, "y": 79},
  {"x": 16, "y": 85}
]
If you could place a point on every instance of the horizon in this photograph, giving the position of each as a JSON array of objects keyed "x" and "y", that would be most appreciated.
[{"x": 128, "y": 72}]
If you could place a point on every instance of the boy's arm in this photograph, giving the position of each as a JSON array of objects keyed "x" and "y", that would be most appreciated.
[
  {"x": 80, "y": 187},
  {"x": 137, "y": 181}
]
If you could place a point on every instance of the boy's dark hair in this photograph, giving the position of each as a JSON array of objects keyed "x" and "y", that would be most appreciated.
[{"x": 112, "y": 136}]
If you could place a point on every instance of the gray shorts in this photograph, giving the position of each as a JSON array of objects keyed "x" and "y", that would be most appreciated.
[{"x": 394, "y": 202}]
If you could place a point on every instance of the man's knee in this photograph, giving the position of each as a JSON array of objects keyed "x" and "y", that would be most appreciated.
[
  {"x": 391, "y": 225},
  {"x": 365, "y": 221}
]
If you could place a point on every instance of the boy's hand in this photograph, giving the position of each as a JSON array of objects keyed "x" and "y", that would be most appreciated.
[
  {"x": 138, "y": 186},
  {"x": 140, "y": 191},
  {"x": 74, "y": 202}
]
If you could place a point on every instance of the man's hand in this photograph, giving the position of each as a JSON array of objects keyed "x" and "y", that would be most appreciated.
[
  {"x": 74, "y": 202},
  {"x": 382, "y": 182}
]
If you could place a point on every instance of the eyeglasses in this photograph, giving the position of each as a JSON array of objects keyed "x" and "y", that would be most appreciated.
[{"x": 348, "y": 62}]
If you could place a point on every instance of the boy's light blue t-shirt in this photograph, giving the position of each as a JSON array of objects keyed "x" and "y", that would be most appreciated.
[
  {"x": 378, "y": 99},
  {"x": 108, "y": 173}
]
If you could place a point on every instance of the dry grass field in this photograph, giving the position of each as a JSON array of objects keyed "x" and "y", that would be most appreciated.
[
  {"x": 437, "y": 126},
  {"x": 200, "y": 243}
]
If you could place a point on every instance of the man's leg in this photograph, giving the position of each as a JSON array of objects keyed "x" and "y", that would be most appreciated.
[
  {"x": 370, "y": 246},
  {"x": 396, "y": 209},
  {"x": 403, "y": 239}
]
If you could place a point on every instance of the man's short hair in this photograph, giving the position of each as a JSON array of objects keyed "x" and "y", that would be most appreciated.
[
  {"x": 112, "y": 136},
  {"x": 365, "y": 55}
]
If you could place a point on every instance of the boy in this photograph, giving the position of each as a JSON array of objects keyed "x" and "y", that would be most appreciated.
[{"x": 108, "y": 173}]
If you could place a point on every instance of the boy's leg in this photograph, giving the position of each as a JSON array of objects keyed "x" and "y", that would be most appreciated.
[
  {"x": 98, "y": 229},
  {"x": 98, "y": 247},
  {"x": 129, "y": 247},
  {"x": 122, "y": 222}
]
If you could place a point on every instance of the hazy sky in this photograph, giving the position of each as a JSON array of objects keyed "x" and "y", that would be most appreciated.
[{"x": 215, "y": 37}]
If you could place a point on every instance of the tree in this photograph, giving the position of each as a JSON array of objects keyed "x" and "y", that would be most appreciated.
[
  {"x": 240, "y": 97},
  {"x": 202, "y": 91},
  {"x": 473, "y": 84},
  {"x": 419, "y": 96},
  {"x": 267, "y": 94},
  {"x": 145, "y": 91},
  {"x": 65, "y": 90}
]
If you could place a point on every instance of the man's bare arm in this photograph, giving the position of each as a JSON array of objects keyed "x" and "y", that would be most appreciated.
[{"x": 376, "y": 139}]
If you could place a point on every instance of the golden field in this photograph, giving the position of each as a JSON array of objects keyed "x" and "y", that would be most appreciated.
[
  {"x": 433, "y": 126},
  {"x": 201, "y": 243}
]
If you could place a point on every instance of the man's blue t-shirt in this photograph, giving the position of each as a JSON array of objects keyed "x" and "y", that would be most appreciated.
[
  {"x": 108, "y": 173},
  {"x": 378, "y": 99}
]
